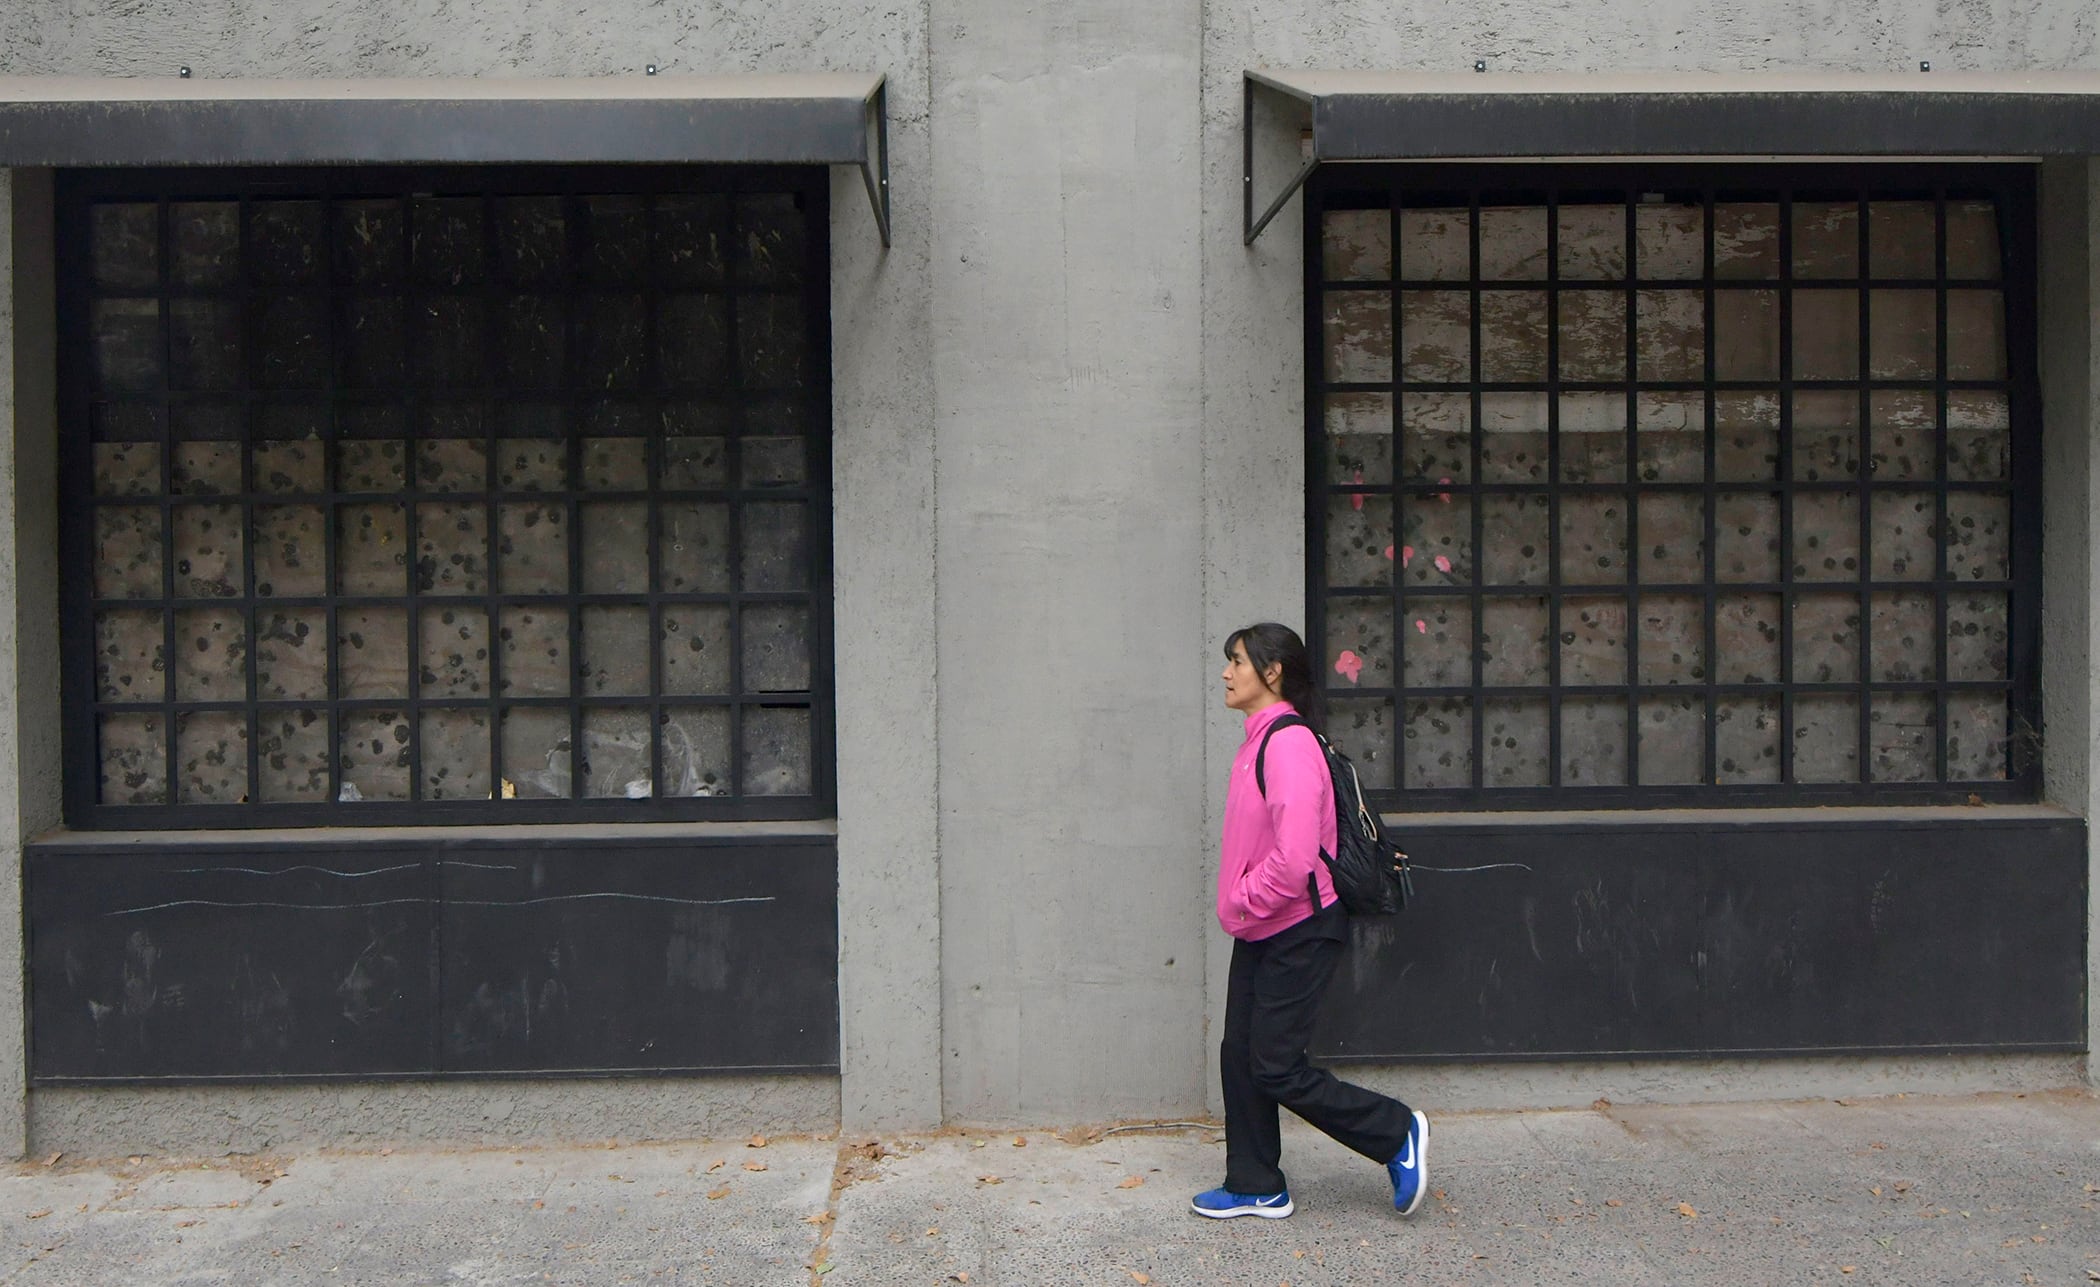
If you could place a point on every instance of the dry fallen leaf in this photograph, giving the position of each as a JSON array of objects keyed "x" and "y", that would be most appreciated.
[
  {"x": 757, "y": 1141},
  {"x": 714, "y": 1195},
  {"x": 38, "y": 1215},
  {"x": 1876, "y": 1190},
  {"x": 1130, "y": 1181},
  {"x": 1140, "y": 1279},
  {"x": 1613, "y": 1202},
  {"x": 1020, "y": 1142},
  {"x": 540, "y": 1205},
  {"x": 989, "y": 1179},
  {"x": 961, "y": 1276},
  {"x": 754, "y": 1166},
  {"x": 1848, "y": 1269},
  {"x": 1686, "y": 1210},
  {"x": 714, "y": 1166},
  {"x": 53, "y": 1161},
  {"x": 933, "y": 1231}
]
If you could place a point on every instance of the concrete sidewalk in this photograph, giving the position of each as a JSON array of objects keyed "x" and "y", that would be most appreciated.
[{"x": 1985, "y": 1189}]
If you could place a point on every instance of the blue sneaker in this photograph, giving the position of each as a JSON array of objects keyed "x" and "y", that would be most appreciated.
[
  {"x": 1223, "y": 1204},
  {"x": 1410, "y": 1167}
]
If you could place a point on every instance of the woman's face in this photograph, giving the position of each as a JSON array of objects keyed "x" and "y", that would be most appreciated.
[{"x": 1247, "y": 691}]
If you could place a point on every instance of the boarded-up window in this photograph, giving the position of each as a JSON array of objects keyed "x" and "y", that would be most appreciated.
[
  {"x": 1672, "y": 483},
  {"x": 437, "y": 496}
]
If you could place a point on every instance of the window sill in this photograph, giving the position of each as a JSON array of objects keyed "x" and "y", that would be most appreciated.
[
  {"x": 626, "y": 832},
  {"x": 1956, "y": 815}
]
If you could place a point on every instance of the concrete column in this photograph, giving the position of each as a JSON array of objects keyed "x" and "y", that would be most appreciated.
[
  {"x": 29, "y": 716},
  {"x": 2070, "y": 365},
  {"x": 1067, "y": 284},
  {"x": 884, "y": 607}
]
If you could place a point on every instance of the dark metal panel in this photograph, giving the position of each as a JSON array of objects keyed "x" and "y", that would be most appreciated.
[
  {"x": 259, "y": 961},
  {"x": 663, "y": 960},
  {"x": 266, "y": 131},
  {"x": 1390, "y": 126},
  {"x": 1629, "y": 940}
]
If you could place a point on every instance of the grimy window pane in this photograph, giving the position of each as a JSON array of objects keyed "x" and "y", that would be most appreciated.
[
  {"x": 1362, "y": 728},
  {"x": 1356, "y": 245},
  {"x": 1439, "y": 646},
  {"x": 1902, "y": 435},
  {"x": 1513, "y": 245},
  {"x": 1904, "y": 730},
  {"x": 1439, "y": 737},
  {"x": 1517, "y": 731},
  {"x": 1593, "y": 741},
  {"x": 211, "y": 655},
  {"x": 1700, "y": 384},
  {"x": 1746, "y": 241},
  {"x": 1515, "y": 642},
  {"x": 1826, "y": 638},
  {"x": 1436, "y": 339},
  {"x": 292, "y": 749},
  {"x": 211, "y": 754},
  {"x": 1513, "y": 446},
  {"x": 1673, "y": 739},
  {"x": 1904, "y": 635},
  {"x": 1435, "y": 245},
  {"x": 1359, "y": 432},
  {"x": 455, "y": 746},
  {"x": 1746, "y": 740},
  {"x": 1436, "y": 539},
  {"x": 534, "y": 651},
  {"x": 1671, "y": 437},
  {"x": 1746, "y": 638},
  {"x": 130, "y": 656},
  {"x": 1359, "y": 326},
  {"x": 393, "y": 436},
  {"x": 1903, "y": 535},
  {"x": 776, "y": 751},
  {"x": 373, "y": 756},
  {"x": 1592, "y": 438}
]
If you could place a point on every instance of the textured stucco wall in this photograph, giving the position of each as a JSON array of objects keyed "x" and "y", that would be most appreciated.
[{"x": 1066, "y": 286}]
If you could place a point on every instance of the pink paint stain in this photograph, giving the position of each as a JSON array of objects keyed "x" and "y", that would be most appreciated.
[
  {"x": 1443, "y": 564},
  {"x": 1349, "y": 665},
  {"x": 1389, "y": 554},
  {"x": 1444, "y": 496},
  {"x": 1421, "y": 627},
  {"x": 1357, "y": 501},
  {"x": 1407, "y": 555}
]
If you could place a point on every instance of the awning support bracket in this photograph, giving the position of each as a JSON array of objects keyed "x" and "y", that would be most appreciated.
[
  {"x": 1250, "y": 226},
  {"x": 875, "y": 162}
]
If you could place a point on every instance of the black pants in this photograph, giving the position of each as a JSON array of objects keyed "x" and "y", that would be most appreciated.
[{"x": 1270, "y": 1003}]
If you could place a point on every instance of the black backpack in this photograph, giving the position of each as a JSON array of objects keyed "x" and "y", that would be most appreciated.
[{"x": 1370, "y": 873}]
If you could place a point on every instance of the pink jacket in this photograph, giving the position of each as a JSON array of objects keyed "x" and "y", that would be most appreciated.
[{"x": 1272, "y": 844}]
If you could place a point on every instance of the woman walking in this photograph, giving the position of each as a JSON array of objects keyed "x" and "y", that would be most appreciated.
[{"x": 1277, "y": 901}]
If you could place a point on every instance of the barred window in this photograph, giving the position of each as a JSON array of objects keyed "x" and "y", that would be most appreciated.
[
  {"x": 419, "y": 495},
  {"x": 1675, "y": 484}
]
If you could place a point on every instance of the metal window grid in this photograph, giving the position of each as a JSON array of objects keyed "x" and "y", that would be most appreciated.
[
  {"x": 84, "y": 705},
  {"x": 1470, "y": 188}
]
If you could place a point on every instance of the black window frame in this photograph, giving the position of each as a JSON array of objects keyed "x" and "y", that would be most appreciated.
[
  {"x": 1471, "y": 185},
  {"x": 81, "y": 769}
]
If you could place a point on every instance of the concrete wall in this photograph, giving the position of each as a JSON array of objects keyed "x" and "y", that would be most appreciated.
[
  {"x": 1066, "y": 356},
  {"x": 2070, "y": 359},
  {"x": 1068, "y": 414}
]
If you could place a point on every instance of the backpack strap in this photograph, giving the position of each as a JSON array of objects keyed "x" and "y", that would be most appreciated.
[{"x": 1261, "y": 781}]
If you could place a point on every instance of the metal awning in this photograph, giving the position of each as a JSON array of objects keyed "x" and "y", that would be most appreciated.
[
  {"x": 816, "y": 118},
  {"x": 1398, "y": 115}
]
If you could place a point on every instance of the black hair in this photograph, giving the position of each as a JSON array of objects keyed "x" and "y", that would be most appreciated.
[{"x": 1269, "y": 644}]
